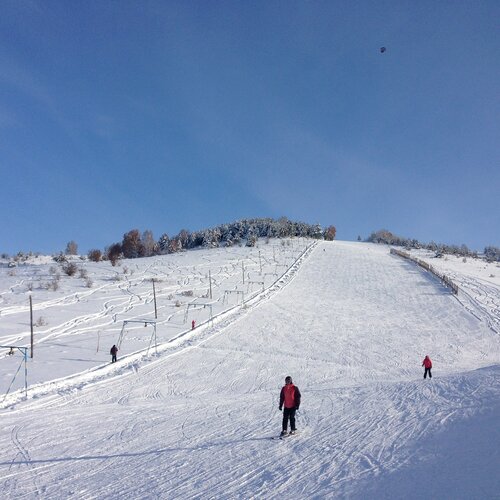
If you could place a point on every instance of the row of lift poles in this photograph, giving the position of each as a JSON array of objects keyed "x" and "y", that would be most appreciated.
[
  {"x": 24, "y": 350},
  {"x": 153, "y": 322},
  {"x": 146, "y": 322},
  {"x": 156, "y": 311}
]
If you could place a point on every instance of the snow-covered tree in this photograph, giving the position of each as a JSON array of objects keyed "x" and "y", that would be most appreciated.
[
  {"x": 71, "y": 248},
  {"x": 492, "y": 254},
  {"x": 132, "y": 246},
  {"x": 330, "y": 233},
  {"x": 150, "y": 247},
  {"x": 163, "y": 243}
]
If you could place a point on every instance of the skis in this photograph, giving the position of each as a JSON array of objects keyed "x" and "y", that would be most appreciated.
[{"x": 283, "y": 436}]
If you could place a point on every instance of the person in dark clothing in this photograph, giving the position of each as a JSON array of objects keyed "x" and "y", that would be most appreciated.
[
  {"x": 427, "y": 364},
  {"x": 113, "y": 351},
  {"x": 290, "y": 399}
]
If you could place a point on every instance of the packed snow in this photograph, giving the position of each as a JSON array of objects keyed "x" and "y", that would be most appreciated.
[{"x": 190, "y": 413}]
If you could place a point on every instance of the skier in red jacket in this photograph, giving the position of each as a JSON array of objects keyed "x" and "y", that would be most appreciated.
[
  {"x": 427, "y": 364},
  {"x": 290, "y": 398}
]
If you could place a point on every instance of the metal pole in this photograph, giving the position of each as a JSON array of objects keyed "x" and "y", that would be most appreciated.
[
  {"x": 243, "y": 269},
  {"x": 26, "y": 372},
  {"x": 31, "y": 323},
  {"x": 154, "y": 295},
  {"x": 210, "y": 281},
  {"x": 260, "y": 262},
  {"x": 156, "y": 342}
]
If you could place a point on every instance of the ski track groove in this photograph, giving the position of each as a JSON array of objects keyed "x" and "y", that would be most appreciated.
[{"x": 25, "y": 455}]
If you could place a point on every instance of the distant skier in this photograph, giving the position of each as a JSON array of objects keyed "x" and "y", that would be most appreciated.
[
  {"x": 113, "y": 351},
  {"x": 193, "y": 324},
  {"x": 427, "y": 364},
  {"x": 290, "y": 398}
]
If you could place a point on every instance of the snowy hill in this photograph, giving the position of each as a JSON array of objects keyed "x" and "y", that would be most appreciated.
[{"x": 348, "y": 321}]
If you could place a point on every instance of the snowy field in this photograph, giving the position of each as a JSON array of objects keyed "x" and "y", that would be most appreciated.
[{"x": 193, "y": 418}]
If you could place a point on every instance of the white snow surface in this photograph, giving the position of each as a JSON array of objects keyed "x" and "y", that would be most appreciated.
[{"x": 193, "y": 418}]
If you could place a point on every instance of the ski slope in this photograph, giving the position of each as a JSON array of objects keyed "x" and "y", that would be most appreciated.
[{"x": 351, "y": 324}]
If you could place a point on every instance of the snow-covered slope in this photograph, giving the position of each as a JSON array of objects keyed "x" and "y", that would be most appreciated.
[
  {"x": 351, "y": 324},
  {"x": 478, "y": 281}
]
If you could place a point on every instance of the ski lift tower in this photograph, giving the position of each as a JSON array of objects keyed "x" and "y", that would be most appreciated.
[
  {"x": 199, "y": 305},
  {"x": 146, "y": 322},
  {"x": 24, "y": 352}
]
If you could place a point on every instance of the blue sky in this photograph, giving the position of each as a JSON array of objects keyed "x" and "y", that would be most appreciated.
[{"x": 159, "y": 115}]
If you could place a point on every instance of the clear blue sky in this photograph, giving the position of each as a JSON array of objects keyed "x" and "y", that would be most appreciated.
[{"x": 160, "y": 115}]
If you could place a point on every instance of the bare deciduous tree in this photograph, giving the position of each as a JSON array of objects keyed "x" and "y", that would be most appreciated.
[{"x": 71, "y": 248}]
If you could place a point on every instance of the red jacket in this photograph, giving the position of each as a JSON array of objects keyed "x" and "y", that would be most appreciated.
[
  {"x": 290, "y": 396},
  {"x": 427, "y": 362}
]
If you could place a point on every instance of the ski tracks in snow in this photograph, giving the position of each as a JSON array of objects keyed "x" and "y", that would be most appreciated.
[
  {"x": 20, "y": 461},
  {"x": 196, "y": 421},
  {"x": 481, "y": 299},
  {"x": 183, "y": 342}
]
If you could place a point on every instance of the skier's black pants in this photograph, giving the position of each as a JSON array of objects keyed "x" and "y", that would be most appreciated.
[
  {"x": 429, "y": 371},
  {"x": 289, "y": 413},
  {"x": 113, "y": 358}
]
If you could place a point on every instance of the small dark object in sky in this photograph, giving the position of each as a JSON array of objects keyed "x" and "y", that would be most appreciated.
[{"x": 382, "y": 49}]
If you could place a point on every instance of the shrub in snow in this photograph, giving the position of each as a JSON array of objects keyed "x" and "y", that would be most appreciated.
[
  {"x": 70, "y": 268},
  {"x": 114, "y": 253},
  {"x": 60, "y": 259},
  {"x": 40, "y": 322},
  {"x": 251, "y": 240},
  {"x": 95, "y": 255},
  {"x": 52, "y": 285}
]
